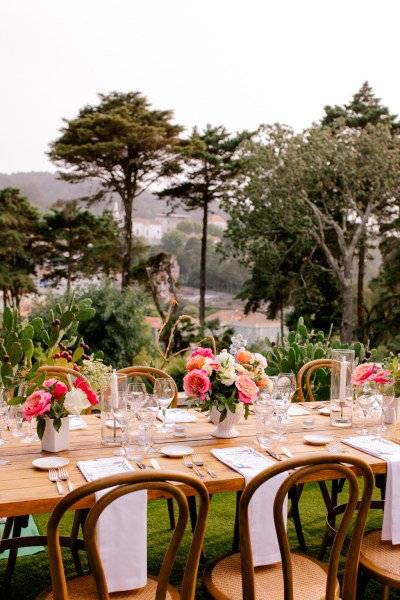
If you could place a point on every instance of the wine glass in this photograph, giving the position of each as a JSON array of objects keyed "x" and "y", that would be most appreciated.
[
  {"x": 147, "y": 413},
  {"x": 165, "y": 391},
  {"x": 3, "y": 420},
  {"x": 384, "y": 397},
  {"x": 365, "y": 397},
  {"x": 16, "y": 422},
  {"x": 264, "y": 411},
  {"x": 285, "y": 385},
  {"x": 136, "y": 396},
  {"x": 282, "y": 400}
]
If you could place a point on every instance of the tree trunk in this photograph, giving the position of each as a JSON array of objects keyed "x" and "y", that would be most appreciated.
[
  {"x": 203, "y": 260},
  {"x": 281, "y": 320},
  {"x": 346, "y": 328},
  {"x": 127, "y": 247},
  {"x": 360, "y": 290}
]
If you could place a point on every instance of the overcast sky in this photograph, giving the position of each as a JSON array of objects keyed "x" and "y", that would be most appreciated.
[{"x": 224, "y": 62}]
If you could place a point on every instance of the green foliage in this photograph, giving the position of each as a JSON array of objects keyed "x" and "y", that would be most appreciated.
[
  {"x": 26, "y": 344},
  {"x": 79, "y": 243},
  {"x": 123, "y": 143},
  {"x": 118, "y": 329},
  {"x": 19, "y": 243},
  {"x": 301, "y": 346}
]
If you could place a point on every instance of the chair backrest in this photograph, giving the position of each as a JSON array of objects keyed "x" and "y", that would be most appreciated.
[
  {"x": 306, "y": 371},
  {"x": 151, "y": 374},
  {"x": 120, "y": 485},
  {"x": 298, "y": 469},
  {"x": 61, "y": 373}
]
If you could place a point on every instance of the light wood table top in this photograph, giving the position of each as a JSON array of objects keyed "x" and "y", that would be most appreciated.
[{"x": 27, "y": 490}]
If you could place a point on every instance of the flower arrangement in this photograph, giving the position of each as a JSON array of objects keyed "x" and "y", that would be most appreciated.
[
  {"x": 227, "y": 380},
  {"x": 370, "y": 372},
  {"x": 55, "y": 400}
]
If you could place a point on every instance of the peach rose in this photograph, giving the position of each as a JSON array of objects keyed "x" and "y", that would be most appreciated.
[
  {"x": 196, "y": 383},
  {"x": 195, "y": 362},
  {"x": 363, "y": 373},
  {"x": 244, "y": 356},
  {"x": 247, "y": 389}
]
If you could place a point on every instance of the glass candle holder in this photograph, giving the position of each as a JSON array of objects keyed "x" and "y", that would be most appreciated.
[{"x": 342, "y": 388}]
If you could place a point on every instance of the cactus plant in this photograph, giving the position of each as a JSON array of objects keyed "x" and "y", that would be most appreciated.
[{"x": 300, "y": 347}]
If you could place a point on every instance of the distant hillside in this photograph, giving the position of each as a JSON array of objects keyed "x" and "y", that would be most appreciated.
[{"x": 44, "y": 189}]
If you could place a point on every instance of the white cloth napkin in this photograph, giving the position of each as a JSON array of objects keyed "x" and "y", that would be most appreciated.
[
  {"x": 391, "y": 513},
  {"x": 249, "y": 462},
  {"x": 296, "y": 411},
  {"x": 121, "y": 529},
  {"x": 390, "y": 452}
]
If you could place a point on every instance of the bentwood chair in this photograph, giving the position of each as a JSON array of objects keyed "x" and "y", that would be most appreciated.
[
  {"x": 151, "y": 374},
  {"x": 297, "y": 576},
  {"x": 380, "y": 561},
  {"x": 93, "y": 586},
  {"x": 304, "y": 377},
  {"x": 12, "y": 539}
]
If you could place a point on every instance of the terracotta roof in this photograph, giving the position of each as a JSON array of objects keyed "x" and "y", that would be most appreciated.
[{"x": 227, "y": 317}]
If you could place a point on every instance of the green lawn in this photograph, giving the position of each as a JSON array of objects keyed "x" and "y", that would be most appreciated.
[{"x": 31, "y": 575}]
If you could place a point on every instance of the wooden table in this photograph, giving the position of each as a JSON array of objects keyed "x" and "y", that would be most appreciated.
[{"x": 27, "y": 490}]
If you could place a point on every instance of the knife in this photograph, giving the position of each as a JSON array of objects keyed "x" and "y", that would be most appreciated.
[
  {"x": 154, "y": 463},
  {"x": 274, "y": 455},
  {"x": 287, "y": 452}
]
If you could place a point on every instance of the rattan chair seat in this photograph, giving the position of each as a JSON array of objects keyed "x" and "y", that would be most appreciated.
[
  {"x": 84, "y": 588},
  {"x": 383, "y": 555},
  {"x": 309, "y": 578}
]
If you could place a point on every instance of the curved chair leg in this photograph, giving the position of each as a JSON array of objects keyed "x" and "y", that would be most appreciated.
[
  {"x": 171, "y": 513},
  {"x": 362, "y": 582},
  {"x": 15, "y": 524}
]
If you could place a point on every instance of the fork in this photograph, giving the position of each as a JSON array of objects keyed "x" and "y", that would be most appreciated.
[
  {"x": 55, "y": 479},
  {"x": 199, "y": 462},
  {"x": 63, "y": 475},
  {"x": 188, "y": 463},
  {"x": 336, "y": 448}
]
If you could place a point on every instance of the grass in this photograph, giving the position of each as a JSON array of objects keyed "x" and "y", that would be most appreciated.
[{"x": 31, "y": 575}]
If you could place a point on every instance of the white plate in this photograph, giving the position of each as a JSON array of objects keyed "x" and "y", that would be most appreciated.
[
  {"x": 176, "y": 450},
  {"x": 52, "y": 462},
  {"x": 317, "y": 440}
]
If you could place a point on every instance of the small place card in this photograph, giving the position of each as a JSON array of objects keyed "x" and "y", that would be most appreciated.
[
  {"x": 103, "y": 467},
  {"x": 177, "y": 415}
]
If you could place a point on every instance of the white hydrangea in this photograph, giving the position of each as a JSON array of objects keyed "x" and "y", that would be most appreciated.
[
  {"x": 259, "y": 359},
  {"x": 224, "y": 358}
]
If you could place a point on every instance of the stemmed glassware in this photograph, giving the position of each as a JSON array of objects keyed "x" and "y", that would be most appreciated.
[
  {"x": 164, "y": 389},
  {"x": 282, "y": 400},
  {"x": 384, "y": 397},
  {"x": 32, "y": 437},
  {"x": 3, "y": 420},
  {"x": 285, "y": 385},
  {"x": 147, "y": 413},
  {"x": 264, "y": 411},
  {"x": 365, "y": 397},
  {"x": 136, "y": 396}
]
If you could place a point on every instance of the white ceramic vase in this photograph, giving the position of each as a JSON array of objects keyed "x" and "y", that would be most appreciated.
[
  {"x": 56, "y": 441},
  {"x": 225, "y": 429}
]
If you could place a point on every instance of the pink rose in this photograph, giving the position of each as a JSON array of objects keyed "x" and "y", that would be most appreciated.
[
  {"x": 363, "y": 373},
  {"x": 382, "y": 376},
  {"x": 196, "y": 383},
  {"x": 247, "y": 388},
  {"x": 37, "y": 404},
  {"x": 206, "y": 352},
  {"x": 81, "y": 384},
  {"x": 59, "y": 387}
]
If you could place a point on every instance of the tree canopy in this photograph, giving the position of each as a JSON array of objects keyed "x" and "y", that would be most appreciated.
[{"x": 124, "y": 146}]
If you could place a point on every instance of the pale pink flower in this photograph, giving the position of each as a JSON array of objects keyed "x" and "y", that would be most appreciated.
[
  {"x": 247, "y": 388},
  {"x": 37, "y": 404},
  {"x": 363, "y": 373},
  {"x": 196, "y": 383}
]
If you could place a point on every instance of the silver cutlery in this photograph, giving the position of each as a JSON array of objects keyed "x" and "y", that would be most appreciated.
[
  {"x": 3, "y": 461},
  {"x": 55, "y": 479},
  {"x": 336, "y": 448},
  {"x": 154, "y": 463},
  {"x": 274, "y": 455},
  {"x": 198, "y": 461},
  {"x": 312, "y": 406},
  {"x": 141, "y": 465},
  {"x": 188, "y": 463},
  {"x": 287, "y": 452},
  {"x": 63, "y": 475}
]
